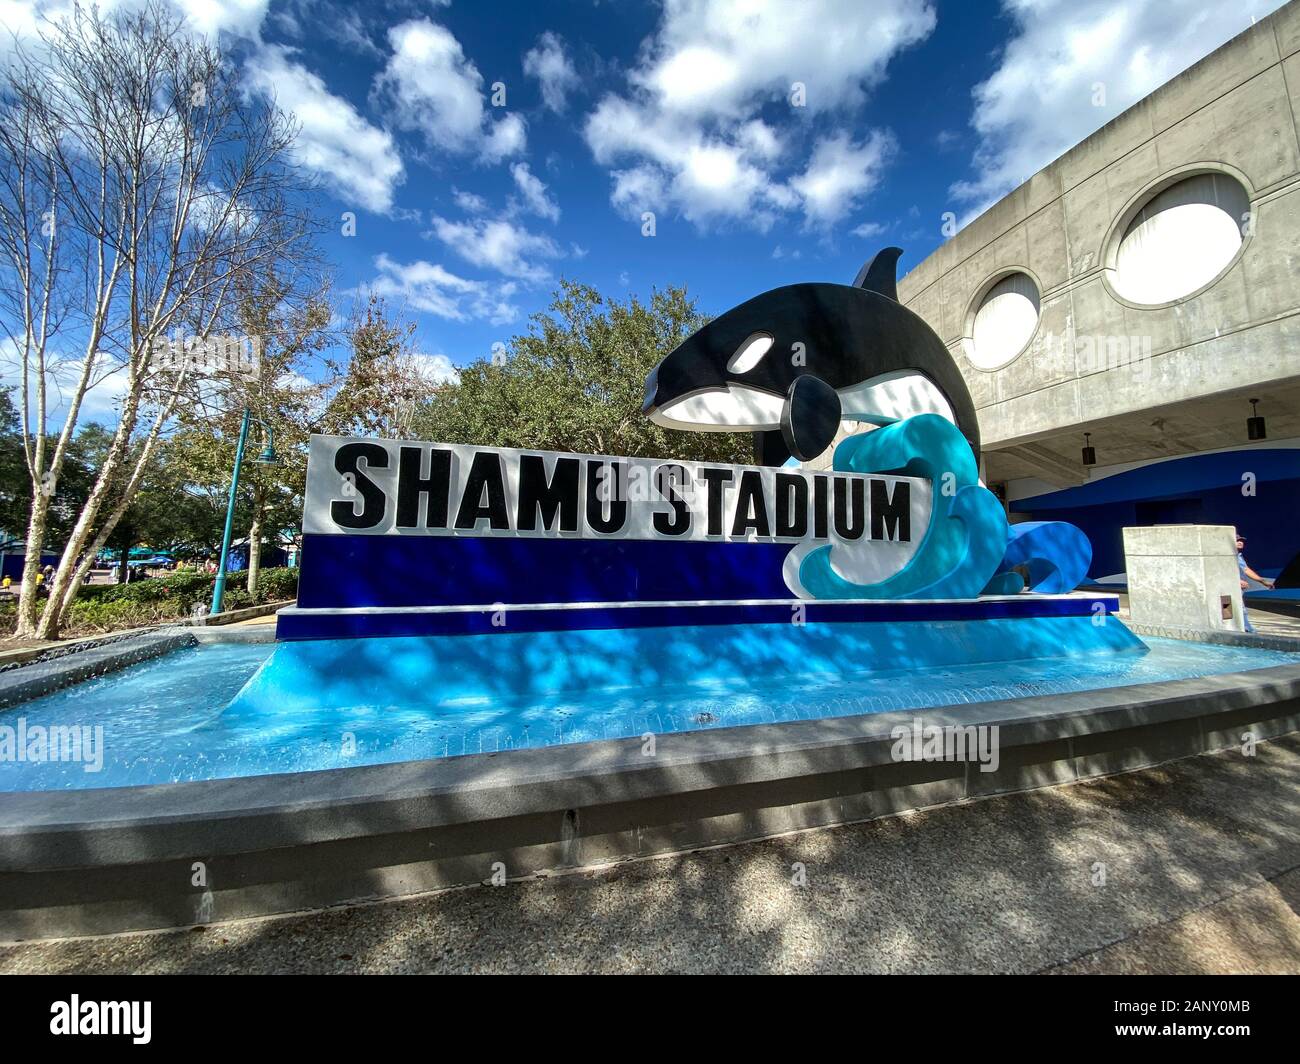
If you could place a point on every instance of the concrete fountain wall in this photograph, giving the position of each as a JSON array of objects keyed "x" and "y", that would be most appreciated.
[{"x": 103, "y": 861}]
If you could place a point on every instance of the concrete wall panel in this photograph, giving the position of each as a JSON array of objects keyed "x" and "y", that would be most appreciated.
[
  {"x": 1250, "y": 128},
  {"x": 1049, "y": 359},
  {"x": 1037, "y": 413},
  {"x": 982, "y": 385},
  {"x": 1246, "y": 55},
  {"x": 1085, "y": 206},
  {"x": 1238, "y": 108},
  {"x": 1047, "y": 251},
  {"x": 1286, "y": 29},
  {"x": 1271, "y": 264},
  {"x": 1108, "y": 145}
]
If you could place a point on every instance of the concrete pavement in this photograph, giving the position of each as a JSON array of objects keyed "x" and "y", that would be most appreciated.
[{"x": 1188, "y": 867}]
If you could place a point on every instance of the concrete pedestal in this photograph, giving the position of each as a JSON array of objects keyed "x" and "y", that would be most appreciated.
[{"x": 1184, "y": 576}]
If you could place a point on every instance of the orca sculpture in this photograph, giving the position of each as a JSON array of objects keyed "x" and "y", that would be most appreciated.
[{"x": 792, "y": 363}]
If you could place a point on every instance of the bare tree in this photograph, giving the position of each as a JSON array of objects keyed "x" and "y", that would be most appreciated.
[{"x": 139, "y": 187}]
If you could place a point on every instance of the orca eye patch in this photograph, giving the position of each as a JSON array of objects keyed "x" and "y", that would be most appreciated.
[{"x": 750, "y": 353}]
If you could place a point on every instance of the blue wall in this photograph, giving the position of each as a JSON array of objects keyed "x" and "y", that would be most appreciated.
[
  {"x": 1198, "y": 489},
  {"x": 349, "y": 571},
  {"x": 12, "y": 564}
]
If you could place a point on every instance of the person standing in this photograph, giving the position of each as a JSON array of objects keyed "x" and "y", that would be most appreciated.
[{"x": 1246, "y": 573}]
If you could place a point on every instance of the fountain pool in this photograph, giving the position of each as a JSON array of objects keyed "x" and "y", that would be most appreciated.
[{"x": 199, "y": 713}]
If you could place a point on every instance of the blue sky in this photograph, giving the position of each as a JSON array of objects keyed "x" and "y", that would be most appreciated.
[{"x": 467, "y": 213}]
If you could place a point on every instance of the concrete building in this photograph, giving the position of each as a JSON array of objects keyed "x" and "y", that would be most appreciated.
[{"x": 1143, "y": 289}]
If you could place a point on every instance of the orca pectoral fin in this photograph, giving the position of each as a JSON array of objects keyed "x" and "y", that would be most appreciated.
[
  {"x": 810, "y": 418},
  {"x": 770, "y": 448},
  {"x": 881, "y": 273}
]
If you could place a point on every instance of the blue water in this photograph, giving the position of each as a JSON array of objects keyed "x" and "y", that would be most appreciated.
[{"x": 177, "y": 717}]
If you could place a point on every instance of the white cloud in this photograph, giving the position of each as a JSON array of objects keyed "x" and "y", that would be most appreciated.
[
  {"x": 356, "y": 159},
  {"x": 101, "y": 402},
  {"x": 293, "y": 381},
  {"x": 353, "y": 157},
  {"x": 534, "y": 193},
  {"x": 706, "y": 177},
  {"x": 350, "y": 27},
  {"x": 434, "y": 369},
  {"x": 469, "y": 202},
  {"x": 548, "y": 62},
  {"x": 689, "y": 134},
  {"x": 430, "y": 288},
  {"x": 839, "y": 173},
  {"x": 869, "y": 230},
  {"x": 19, "y": 18},
  {"x": 429, "y": 86},
  {"x": 1066, "y": 54},
  {"x": 639, "y": 189},
  {"x": 241, "y": 17},
  {"x": 760, "y": 139},
  {"x": 715, "y": 57},
  {"x": 497, "y": 244}
]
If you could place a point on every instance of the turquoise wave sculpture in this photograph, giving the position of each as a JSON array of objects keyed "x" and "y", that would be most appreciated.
[
  {"x": 1055, "y": 554},
  {"x": 966, "y": 537}
]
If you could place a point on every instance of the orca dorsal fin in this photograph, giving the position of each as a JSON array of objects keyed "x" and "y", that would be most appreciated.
[{"x": 881, "y": 273}]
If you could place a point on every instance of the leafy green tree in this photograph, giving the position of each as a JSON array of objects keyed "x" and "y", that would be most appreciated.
[
  {"x": 166, "y": 512},
  {"x": 382, "y": 386},
  {"x": 70, "y": 493},
  {"x": 15, "y": 487},
  {"x": 280, "y": 396},
  {"x": 576, "y": 382}
]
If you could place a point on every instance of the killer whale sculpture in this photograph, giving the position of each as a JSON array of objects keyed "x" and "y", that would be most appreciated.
[
  {"x": 791, "y": 363},
  {"x": 413, "y": 538}
]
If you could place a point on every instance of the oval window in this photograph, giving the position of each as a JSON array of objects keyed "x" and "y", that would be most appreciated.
[
  {"x": 1181, "y": 239},
  {"x": 1005, "y": 321}
]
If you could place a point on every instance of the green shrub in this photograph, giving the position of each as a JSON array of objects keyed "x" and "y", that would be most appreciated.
[
  {"x": 114, "y": 615},
  {"x": 277, "y": 583},
  {"x": 153, "y": 589},
  {"x": 172, "y": 596}
]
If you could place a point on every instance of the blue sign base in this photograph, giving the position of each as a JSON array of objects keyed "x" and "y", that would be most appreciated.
[{"x": 299, "y": 622}]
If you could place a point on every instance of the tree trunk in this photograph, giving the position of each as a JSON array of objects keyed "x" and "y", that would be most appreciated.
[
  {"x": 124, "y": 566},
  {"x": 48, "y": 626},
  {"x": 26, "y": 627},
  {"x": 68, "y": 578},
  {"x": 254, "y": 550}
]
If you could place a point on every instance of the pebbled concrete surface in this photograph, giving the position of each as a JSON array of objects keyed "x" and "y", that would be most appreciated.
[{"x": 1200, "y": 857}]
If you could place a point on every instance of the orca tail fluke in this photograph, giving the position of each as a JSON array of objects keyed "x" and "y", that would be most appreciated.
[{"x": 880, "y": 275}]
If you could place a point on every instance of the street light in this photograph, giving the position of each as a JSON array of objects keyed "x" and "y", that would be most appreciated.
[{"x": 267, "y": 457}]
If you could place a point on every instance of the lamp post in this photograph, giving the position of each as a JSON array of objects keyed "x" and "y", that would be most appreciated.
[{"x": 267, "y": 457}]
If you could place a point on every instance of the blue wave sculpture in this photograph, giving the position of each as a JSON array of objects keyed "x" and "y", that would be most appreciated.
[
  {"x": 965, "y": 539},
  {"x": 1054, "y": 553}
]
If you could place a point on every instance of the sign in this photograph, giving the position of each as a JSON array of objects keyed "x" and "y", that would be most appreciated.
[
  {"x": 401, "y": 525},
  {"x": 386, "y": 487}
]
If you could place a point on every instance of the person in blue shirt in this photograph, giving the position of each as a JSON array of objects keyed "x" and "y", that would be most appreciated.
[{"x": 1247, "y": 574}]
